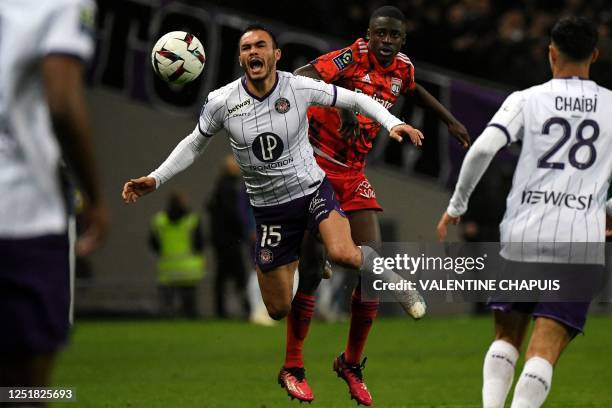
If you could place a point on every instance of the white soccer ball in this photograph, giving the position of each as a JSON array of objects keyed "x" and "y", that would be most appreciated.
[{"x": 178, "y": 57}]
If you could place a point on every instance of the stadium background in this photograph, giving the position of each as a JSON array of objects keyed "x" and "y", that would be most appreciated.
[
  {"x": 468, "y": 53},
  {"x": 138, "y": 119}
]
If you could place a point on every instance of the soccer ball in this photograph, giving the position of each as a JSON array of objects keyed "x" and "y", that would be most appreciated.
[{"x": 178, "y": 57}]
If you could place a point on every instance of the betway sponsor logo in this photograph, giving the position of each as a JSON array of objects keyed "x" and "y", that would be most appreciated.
[
  {"x": 274, "y": 165},
  {"x": 239, "y": 106},
  {"x": 382, "y": 101},
  {"x": 557, "y": 199}
]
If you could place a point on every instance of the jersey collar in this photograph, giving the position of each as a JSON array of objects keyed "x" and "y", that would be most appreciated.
[
  {"x": 244, "y": 85},
  {"x": 574, "y": 77}
]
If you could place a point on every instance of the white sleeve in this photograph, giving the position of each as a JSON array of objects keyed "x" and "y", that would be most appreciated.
[
  {"x": 321, "y": 93},
  {"x": 509, "y": 117},
  {"x": 183, "y": 155},
  {"x": 70, "y": 30},
  {"x": 358, "y": 102},
  {"x": 474, "y": 165},
  {"x": 609, "y": 208},
  {"x": 209, "y": 122}
]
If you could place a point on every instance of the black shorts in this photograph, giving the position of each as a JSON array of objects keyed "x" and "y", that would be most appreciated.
[{"x": 280, "y": 228}]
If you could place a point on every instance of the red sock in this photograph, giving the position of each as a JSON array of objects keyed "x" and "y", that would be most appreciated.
[
  {"x": 363, "y": 314},
  {"x": 298, "y": 322}
]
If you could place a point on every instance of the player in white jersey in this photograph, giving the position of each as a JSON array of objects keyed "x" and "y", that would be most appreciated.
[
  {"x": 264, "y": 115},
  {"x": 43, "y": 116},
  {"x": 558, "y": 198}
]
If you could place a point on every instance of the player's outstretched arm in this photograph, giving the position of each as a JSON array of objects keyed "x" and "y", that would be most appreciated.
[
  {"x": 474, "y": 165},
  {"x": 183, "y": 155},
  {"x": 455, "y": 128},
  {"x": 361, "y": 103}
]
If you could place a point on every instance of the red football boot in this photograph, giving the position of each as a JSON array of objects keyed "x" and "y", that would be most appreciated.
[
  {"x": 294, "y": 381},
  {"x": 351, "y": 373}
]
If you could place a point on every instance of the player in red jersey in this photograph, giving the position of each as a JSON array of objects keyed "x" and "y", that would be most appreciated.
[{"x": 341, "y": 142}]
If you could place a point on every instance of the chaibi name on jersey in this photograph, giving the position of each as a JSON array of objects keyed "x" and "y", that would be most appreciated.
[{"x": 576, "y": 104}]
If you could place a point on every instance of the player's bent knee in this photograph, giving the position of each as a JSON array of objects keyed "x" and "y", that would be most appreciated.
[{"x": 278, "y": 311}]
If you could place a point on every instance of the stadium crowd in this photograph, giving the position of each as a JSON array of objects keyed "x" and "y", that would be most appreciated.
[{"x": 503, "y": 41}]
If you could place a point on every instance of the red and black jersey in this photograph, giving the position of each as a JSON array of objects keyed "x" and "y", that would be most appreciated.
[{"x": 356, "y": 69}]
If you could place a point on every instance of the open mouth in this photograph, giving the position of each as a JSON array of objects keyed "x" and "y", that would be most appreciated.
[
  {"x": 256, "y": 64},
  {"x": 386, "y": 51}
]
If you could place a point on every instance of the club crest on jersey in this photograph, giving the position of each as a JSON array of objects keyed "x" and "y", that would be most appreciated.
[
  {"x": 396, "y": 86},
  {"x": 282, "y": 105},
  {"x": 266, "y": 256},
  {"x": 343, "y": 59}
]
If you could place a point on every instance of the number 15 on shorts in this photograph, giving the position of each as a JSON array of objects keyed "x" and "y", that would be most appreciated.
[{"x": 270, "y": 235}]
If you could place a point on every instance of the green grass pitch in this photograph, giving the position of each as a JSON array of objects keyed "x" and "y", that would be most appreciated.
[{"x": 432, "y": 363}]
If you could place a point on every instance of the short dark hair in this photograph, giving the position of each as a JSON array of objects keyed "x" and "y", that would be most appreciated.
[
  {"x": 575, "y": 37},
  {"x": 388, "y": 11},
  {"x": 260, "y": 27}
]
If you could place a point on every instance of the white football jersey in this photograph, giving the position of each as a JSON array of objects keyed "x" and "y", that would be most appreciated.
[
  {"x": 269, "y": 135},
  {"x": 32, "y": 202},
  {"x": 559, "y": 188}
]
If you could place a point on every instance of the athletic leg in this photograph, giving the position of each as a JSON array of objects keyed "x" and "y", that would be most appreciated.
[
  {"x": 311, "y": 264},
  {"x": 548, "y": 340},
  {"x": 501, "y": 358},
  {"x": 364, "y": 229},
  {"x": 277, "y": 290},
  {"x": 276, "y": 287},
  {"x": 312, "y": 261},
  {"x": 511, "y": 327},
  {"x": 336, "y": 234}
]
